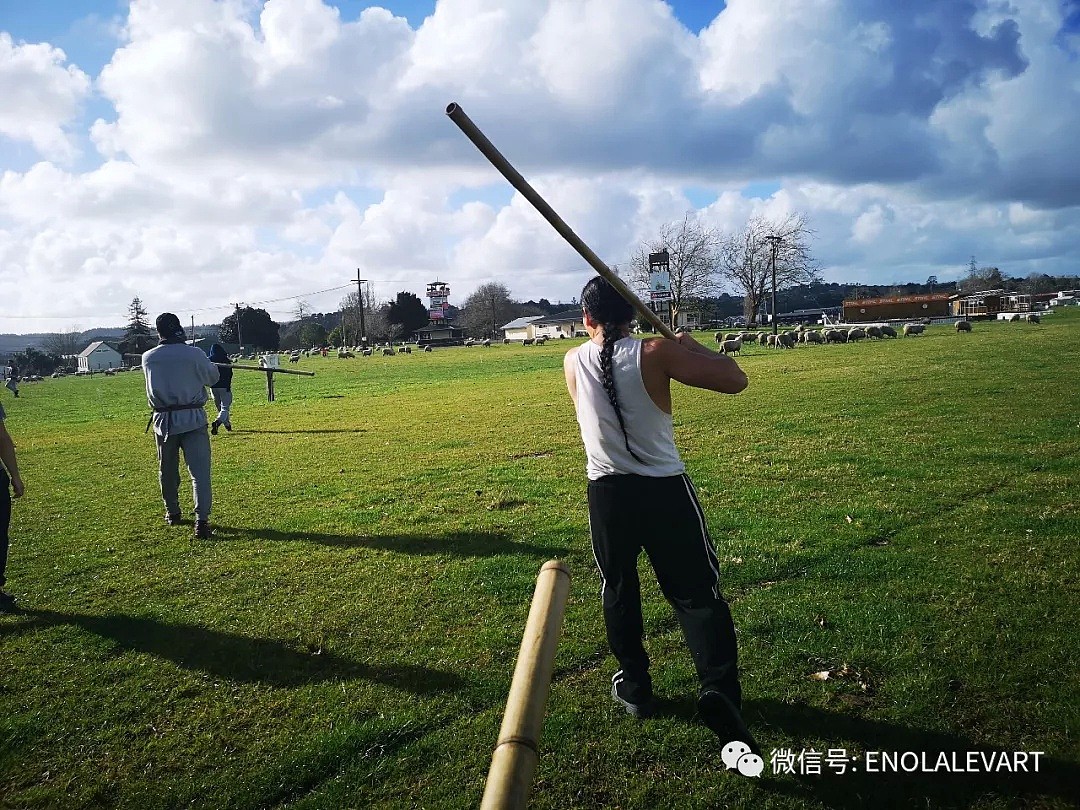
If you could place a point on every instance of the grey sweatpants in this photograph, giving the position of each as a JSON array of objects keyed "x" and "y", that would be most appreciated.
[
  {"x": 222, "y": 401},
  {"x": 196, "y": 447}
]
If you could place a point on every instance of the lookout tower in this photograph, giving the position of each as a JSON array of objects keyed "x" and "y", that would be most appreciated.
[{"x": 438, "y": 293}]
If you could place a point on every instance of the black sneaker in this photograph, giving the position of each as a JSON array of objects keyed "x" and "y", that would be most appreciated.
[
  {"x": 7, "y": 603},
  {"x": 228, "y": 426},
  {"x": 202, "y": 530},
  {"x": 725, "y": 720},
  {"x": 641, "y": 708},
  {"x": 214, "y": 427},
  {"x": 173, "y": 518}
]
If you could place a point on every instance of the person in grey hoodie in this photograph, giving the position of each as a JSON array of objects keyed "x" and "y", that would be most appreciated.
[
  {"x": 222, "y": 389},
  {"x": 176, "y": 378}
]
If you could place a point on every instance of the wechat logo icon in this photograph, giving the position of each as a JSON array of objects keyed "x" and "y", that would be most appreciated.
[{"x": 738, "y": 757}]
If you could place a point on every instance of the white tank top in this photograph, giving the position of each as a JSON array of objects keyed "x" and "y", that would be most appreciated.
[{"x": 650, "y": 430}]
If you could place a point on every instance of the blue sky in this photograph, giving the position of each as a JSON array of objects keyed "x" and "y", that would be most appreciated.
[{"x": 265, "y": 150}]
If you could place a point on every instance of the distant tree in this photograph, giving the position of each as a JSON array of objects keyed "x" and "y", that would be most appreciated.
[
  {"x": 33, "y": 361},
  {"x": 301, "y": 309},
  {"x": 138, "y": 336},
  {"x": 746, "y": 258},
  {"x": 488, "y": 308},
  {"x": 931, "y": 282},
  {"x": 335, "y": 338},
  {"x": 694, "y": 258},
  {"x": 982, "y": 278},
  {"x": 63, "y": 343},
  {"x": 408, "y": 312},
  {"x": 1038, "y": 284},
  {"x": 312, "y": 334},
  {"x": 255, "y": 329}
]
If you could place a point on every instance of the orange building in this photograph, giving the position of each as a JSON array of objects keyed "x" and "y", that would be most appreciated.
[{"x": 897, "y": 307}]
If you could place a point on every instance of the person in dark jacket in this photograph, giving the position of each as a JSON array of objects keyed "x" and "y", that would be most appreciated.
[{"x": 222, "y": 389}]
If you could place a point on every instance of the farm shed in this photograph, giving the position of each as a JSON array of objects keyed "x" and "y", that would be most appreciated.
[{"x": 988, "y": 303}]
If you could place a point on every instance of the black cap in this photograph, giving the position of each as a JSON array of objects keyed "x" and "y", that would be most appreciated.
[{"x": 168, "y": 326}]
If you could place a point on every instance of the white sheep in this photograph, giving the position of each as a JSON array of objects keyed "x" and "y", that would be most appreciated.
[{"x": 731, "y": 346}]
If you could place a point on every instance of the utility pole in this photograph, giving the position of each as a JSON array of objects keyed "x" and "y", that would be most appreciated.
[
  {"x": 773, "y": 241},
  {"x": 192, "y": 330},
  {"x": 360, "y": 282},
  {"x": 239, "y": 339}
]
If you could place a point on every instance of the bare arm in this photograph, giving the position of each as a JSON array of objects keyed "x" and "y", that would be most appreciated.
[
  {"x": 569, "y": 369},
  {"x": 7, "y": 456},
  {"x": 692, "y": 364}
]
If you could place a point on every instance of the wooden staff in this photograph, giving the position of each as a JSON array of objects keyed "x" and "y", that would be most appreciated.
[
  {"x": 516, "y": 756},
  {"x": 270, "y": 372},
  {"x": 487, "y": 148}
]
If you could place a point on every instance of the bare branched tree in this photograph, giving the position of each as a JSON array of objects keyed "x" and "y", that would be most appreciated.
[
  {"x": 301, "y": 309},
  {"x": 63, "y": 343},
  {"x": 746, "y": 256},
  {"x": 694, "y": 255},
  {"x": 488, "y": 308}
]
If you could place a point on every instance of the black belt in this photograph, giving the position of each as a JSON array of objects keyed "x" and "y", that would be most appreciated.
[{"x": 170, "y": 409}]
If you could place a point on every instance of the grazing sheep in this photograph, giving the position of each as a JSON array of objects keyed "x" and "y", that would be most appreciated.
[
  {"x": 786, "y": 339},
  {"x": 763, "y": 338},
  {"x": 470, "y": 342},
  {"x": 294, "y": 358},
  {"x": 388, "y": 352},
  {"x": 856, "y": 333},
  {"x": 719, "y": 337},
  {"x": 427, "y": 348},
  {"x": 540, "y": 341},
  {"x": 812, "y": 337},
  {"x": 404, "y": 350},
  {"x": 506, "y": 341},
  {"x": 836, "y": 336},
  {"x": 873, "y": 332},
  {"x": 731, "y": 336},
  {"x": 486, "y": 342},
  {"x": 913, "y": 329},
  {"x": 888, "y": 331},
  {"x": 527, "y": 342},
  {"x": 963, "y": 326},
  {"x": 1032, "y": 318},
  {"x": 368, "y": 352},
  {"x": 731, "y": 346}
]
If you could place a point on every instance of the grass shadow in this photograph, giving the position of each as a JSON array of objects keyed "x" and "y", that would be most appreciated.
[
  {"x": 239, "y": 658},
  {"x": 461, "y": 544},
  {"x": 291, "y": 432},
  {"x": 1056, "y": 779}
]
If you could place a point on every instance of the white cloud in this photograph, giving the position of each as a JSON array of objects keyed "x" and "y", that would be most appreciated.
[{"x": 39, "y": 96}]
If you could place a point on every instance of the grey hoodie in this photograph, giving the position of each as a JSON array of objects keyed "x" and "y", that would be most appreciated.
[{"x": 176, "y": 375}]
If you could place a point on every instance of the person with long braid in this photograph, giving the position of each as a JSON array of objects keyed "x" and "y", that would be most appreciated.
[{"x": 640, "y": 497}]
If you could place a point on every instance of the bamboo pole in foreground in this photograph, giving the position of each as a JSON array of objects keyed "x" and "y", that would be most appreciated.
[
  {"x": 516, "y": 755},
  {"x": 487, "y": 148}
]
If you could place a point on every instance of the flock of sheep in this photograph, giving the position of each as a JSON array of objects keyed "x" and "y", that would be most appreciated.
[{"x": 733, "y": 342}]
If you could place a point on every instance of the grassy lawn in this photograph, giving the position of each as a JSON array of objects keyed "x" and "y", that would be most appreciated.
[{"x": 902, "y": 514}]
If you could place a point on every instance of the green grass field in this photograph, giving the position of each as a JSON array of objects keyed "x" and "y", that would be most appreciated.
[{"x": 903, "y": 514}]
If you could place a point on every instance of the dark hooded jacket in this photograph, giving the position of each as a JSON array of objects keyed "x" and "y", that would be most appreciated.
[{"x": 218, "y": 355}]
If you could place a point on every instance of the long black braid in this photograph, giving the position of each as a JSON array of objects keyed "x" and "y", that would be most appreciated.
[{"x": 613, "y": 313}]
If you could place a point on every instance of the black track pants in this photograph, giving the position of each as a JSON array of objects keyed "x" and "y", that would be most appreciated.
[
  {"x": 628, "y": 513},
  {"x": 5, "y": 521}
]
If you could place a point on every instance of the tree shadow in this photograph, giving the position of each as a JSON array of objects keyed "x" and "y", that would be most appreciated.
[
  {"x": 1056, "y": 778},
  {"x": 461, "y": 544},
  {"x": 239, "y": 658}
]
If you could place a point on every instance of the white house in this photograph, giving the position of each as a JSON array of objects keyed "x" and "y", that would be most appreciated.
[
  {"x": 569, "y": 323},
  {"x": 99, "y": 356},
  {"x": 521, "y": 328}
]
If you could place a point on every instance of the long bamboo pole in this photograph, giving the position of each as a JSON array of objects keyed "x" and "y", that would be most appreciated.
[
  {"x": 516, "y": 755},
  {"x": 271, "y": 370},
  {"x": 487, "y": 148}
]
